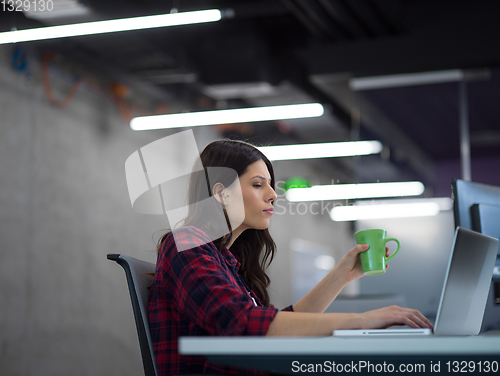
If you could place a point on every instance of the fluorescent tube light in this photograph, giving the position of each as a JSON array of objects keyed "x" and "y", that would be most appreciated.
[
  {"x": 355, "y": 191},
  {"x": 321, "y": 150},
  {"x": 397, "y": 80},
  {"x": 241, "y": 115},
  {"x": 110, "y": 26},
  {"x": 354, "y": 213},
  {"x": 420, "y": 78},
  {"x": 397, "y": 208}
]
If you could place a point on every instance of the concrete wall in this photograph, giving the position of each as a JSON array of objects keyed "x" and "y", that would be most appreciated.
[{"x": 64, "y": 205}]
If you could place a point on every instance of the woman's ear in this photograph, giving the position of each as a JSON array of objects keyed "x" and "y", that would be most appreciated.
[{"x": 218, "y": 191}]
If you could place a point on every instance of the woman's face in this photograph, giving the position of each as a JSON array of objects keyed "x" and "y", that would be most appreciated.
[{"x": 258, "y": 197}]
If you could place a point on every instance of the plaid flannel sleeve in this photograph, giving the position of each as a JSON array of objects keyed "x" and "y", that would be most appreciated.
[{"x": 259, "y": 319}]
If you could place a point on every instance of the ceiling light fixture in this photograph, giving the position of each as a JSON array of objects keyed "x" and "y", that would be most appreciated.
[
  {"x": 321, "y": 150},
  {"x": 420, "y": 78},
  {"x": 355, "y": 191},
  {"x": 240, "y": 115},
  {"x": 391, "y": 209},
  {"x": 111, "y": 26},
  {"x": 355, "y": 213}
]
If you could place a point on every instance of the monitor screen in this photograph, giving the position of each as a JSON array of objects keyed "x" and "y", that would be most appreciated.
[
  {"x": 466, "y": 194},
  {"x": 476, "y": 207}
]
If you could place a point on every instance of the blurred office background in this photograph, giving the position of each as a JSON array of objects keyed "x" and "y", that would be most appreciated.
[{"x": 65, "y": 108}]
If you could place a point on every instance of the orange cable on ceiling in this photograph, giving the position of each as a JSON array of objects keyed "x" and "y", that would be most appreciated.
[{"x": 115, "y": 95}]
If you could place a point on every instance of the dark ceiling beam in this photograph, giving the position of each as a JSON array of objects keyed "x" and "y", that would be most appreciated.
[
  {"x": 303, "y": 19},
  {"x": 331, "y": 104},
  {"x": 389, "y": 11},
  {"x": 124, "y": 8},
  {"x": 340, "y": 14},
  {"x": 294, "y": 72},
  {"x": 364, "y": 10},
  {"x": 262, "y": 8},
  {"x": 463, "y": 42},
  {"x": 317, "y": 14}
]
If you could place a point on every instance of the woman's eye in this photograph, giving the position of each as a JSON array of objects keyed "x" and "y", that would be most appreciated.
[{"x": 257, "y": 185}]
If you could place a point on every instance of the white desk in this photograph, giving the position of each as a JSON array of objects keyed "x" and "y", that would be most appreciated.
[{"x": 279, "y": 353}]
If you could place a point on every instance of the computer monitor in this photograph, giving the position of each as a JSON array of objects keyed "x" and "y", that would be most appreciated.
[
  {"x": 472, "y": 200},
  {"x": 466, "y": 194},
  {"x": 476, "y": 207}
]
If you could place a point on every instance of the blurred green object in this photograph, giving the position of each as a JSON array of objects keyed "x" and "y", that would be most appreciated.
[{"x": 297, "y": 182}]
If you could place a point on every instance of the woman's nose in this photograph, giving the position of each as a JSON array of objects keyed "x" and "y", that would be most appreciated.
[{"x": 272, "y": 196}]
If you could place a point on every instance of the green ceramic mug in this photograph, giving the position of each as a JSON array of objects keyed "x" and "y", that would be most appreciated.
[{"x": 373, "y": 260}]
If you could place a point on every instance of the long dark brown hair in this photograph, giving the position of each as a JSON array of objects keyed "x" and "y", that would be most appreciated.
[{"x": 255, "y": 249}]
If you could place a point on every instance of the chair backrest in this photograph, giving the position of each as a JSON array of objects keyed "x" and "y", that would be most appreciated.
[{"x": 138, "y": 282}]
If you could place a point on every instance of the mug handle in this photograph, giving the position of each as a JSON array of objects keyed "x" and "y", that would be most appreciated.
[{"x": 397, "y": 250}]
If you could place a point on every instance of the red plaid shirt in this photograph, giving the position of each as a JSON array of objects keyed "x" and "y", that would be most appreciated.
[{"x": 198, "y": 292}]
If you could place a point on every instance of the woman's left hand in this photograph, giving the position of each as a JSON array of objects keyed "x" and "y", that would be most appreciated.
[{"x": 350, "y": 264}]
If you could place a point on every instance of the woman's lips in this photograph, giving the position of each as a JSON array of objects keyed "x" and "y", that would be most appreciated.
[{"x": 270, "y": 210}]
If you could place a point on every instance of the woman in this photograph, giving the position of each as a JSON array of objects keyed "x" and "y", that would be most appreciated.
[{"x": 210, "y": 277}]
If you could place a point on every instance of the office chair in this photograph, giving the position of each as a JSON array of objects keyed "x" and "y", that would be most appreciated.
[{"x": 138, "y": 283}]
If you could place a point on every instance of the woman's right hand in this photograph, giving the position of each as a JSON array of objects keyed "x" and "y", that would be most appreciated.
[
  {"x": 394, "y": 315},
  {"x": 323, "y": 324}
]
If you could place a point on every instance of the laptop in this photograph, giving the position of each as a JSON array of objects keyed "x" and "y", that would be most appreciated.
[{"x": 465, "y": 290}]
